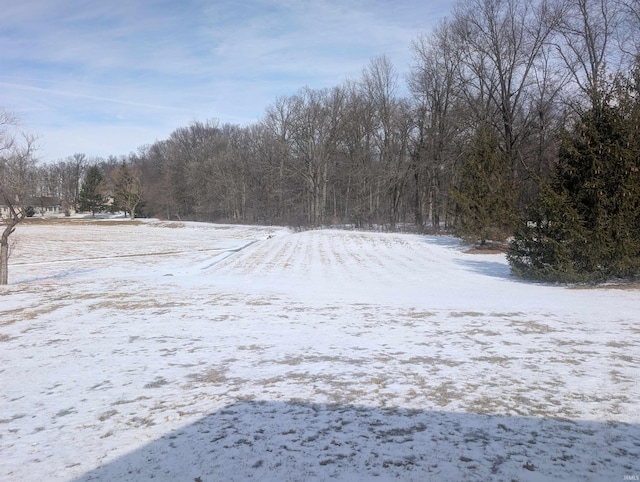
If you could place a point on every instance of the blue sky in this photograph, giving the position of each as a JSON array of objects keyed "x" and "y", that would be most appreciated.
[{"x": 108, "y": 76}]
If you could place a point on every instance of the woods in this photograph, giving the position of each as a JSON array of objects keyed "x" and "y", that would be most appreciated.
[{"x": 516, "y": 116}]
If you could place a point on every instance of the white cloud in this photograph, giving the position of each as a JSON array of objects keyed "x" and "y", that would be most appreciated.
[{"x": 71, "y": 66}]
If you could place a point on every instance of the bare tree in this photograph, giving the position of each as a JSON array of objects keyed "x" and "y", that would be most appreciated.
[
  {"x": 391, "y": 125},
  {"x": 73, "y": 171},
  {"x": 127, "y": 188},
  {"x": 315, "y": 130},
  {"x": 628, "y": 35},
  {"x": 17, "y": 163},
  {"x": 276, "y": 148},
  {"x": 7, "y": 138},
  {"x": 501, "y": 42},
  {"x": 359, "y": 171},
  {"x": 434, "y": 83},
  {"x": 587, "y": 49}
]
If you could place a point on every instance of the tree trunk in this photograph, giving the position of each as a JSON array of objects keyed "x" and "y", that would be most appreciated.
[
  {"x": 4, "y": 263},
  {"x": 4, "y": 253}
]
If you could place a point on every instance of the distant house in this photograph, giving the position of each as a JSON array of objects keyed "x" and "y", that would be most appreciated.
[{"x": 40, "y": 206}]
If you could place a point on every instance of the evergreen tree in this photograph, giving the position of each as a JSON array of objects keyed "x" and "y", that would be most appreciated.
[
  {"x": 92, "y": 195},
  {"x": 484, "y": 197},
  {"x": 586, "y": 225}
]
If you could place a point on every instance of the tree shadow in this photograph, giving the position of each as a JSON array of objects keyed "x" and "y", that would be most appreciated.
[
  {"x": 493, "y": 269},
  {"x": 279, "y": 441},
  {"x": 445, "y": 241},
  {"x": 69, "y": 273}
]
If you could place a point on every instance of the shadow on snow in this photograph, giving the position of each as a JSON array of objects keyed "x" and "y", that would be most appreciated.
[
  {"x": 282, "y": 441},
  {"x": 493, "y": 269}
]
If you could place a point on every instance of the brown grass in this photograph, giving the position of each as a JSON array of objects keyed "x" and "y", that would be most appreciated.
[
  {"x": 21, "y": 314},
  {"x": 93, "y": 221},
  {"x": 622, "y": 285},
  {"x": 488, "y": 248},
  {"x": 211, "y": 376}
]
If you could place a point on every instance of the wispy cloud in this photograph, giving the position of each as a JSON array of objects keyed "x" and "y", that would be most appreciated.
[
  {"x": 77, "y": 95},
  {"x": 70, "y": 65}
]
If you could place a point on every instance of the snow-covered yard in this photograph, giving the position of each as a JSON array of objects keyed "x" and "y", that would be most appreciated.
[{"x": 185, "y": 351}]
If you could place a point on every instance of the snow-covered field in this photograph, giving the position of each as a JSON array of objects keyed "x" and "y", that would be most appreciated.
[{"x": 195, "y": 352}]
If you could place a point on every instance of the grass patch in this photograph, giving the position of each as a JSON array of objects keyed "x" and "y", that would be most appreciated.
[
  {"x": 212, "y": 376},
  {"x": 39, "y": 221},
  {"x": 465, "y": 314},
  {"x": 531, "y": 327},
  {"x": 419, "y": 314},
  {"x": 21, "y": 314}
]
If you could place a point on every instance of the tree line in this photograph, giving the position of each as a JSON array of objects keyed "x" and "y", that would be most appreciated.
[{"x": 476, "y": 140}]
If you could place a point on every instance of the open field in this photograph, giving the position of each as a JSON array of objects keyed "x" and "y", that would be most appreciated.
[{"x": 186, "y": 351}]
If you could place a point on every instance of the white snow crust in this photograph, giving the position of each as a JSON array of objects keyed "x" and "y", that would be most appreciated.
[{"x": 200, "y": 352}]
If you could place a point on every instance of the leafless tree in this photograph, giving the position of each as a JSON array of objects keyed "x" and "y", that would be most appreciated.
[
  {"x": 8, "y": 121},
  {"x": 501, "y": 42},
  {"x": 276, "y": 142},
  {"x": 17, "y": 163},
  {"x": 187, "y": 169},
  {"x": 587, "y": 46},
  {"x": 316, "y": 125},
  {"x": 434, "y": 83},
  {"x": 127, "y": 188},
  {"x": 628, "y": 35},
  {"x": 390, "y": 132}
]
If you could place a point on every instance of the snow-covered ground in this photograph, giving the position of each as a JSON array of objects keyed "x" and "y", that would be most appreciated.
[{"x": 185, "y": 351}]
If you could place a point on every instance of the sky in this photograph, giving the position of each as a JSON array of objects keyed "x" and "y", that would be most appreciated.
[{"x": 107, "y": 77}]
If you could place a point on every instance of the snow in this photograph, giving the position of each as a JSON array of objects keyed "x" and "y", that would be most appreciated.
[{"x": 187, "y": 351}]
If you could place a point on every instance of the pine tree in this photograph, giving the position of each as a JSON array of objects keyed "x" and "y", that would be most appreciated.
[
  {"x": 540, "y": 248},
  {"x": 484, "y": 197},
  {"x": 586, "y": 225},
  {"x": 92, "y": 197}
]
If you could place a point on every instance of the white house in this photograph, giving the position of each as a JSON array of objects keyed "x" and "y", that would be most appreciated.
[{"x": 41, "y": 206}]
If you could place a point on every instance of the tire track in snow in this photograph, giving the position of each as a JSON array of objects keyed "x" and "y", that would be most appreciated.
[
  {"x": 227, "y": 253},
  {"x": 134, "y": 255}
]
